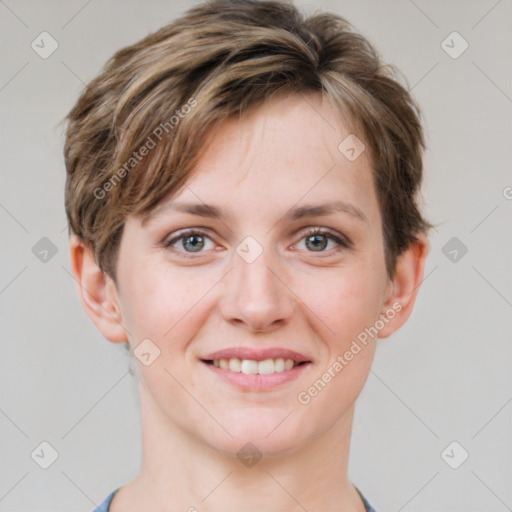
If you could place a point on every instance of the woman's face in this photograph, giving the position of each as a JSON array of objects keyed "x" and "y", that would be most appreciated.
[{"x": 273, "y": 251}]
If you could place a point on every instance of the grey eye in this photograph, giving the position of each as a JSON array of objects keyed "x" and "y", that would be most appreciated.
[
  {"x": 193, "y": 243},
  {"x": 316, "y": 242}
]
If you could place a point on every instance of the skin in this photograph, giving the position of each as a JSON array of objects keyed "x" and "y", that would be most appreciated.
[{"x": 284, "y": 154}]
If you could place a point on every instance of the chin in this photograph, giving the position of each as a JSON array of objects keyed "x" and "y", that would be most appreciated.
[
  {"x": 243, "y": 446},
  {"x": 262, "y": 432}
]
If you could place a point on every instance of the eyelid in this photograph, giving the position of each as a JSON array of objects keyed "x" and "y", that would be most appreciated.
[
  {"x": 342, "y": 241},
  {"x": 183, "y": 233}
]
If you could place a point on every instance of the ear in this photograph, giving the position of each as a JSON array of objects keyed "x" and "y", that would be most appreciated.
[
  {"x": 97, "y": 292},
  {"x": 404, "y": 287}
]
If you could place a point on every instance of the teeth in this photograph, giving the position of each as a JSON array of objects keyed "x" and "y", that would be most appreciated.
[
  {"x": 252, "y": 367},
  {"x": 249, "y": 367},
  {"x": 279, "y": 364},
  {"x": 266, "y": 367},
  {"x": 235, "y": 365}
]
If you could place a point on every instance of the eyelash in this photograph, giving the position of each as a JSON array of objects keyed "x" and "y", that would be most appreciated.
[{"x": 343, "y": 243}]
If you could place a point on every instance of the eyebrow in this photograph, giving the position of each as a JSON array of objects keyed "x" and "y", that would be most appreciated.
[{"x": 297, "y": 213}]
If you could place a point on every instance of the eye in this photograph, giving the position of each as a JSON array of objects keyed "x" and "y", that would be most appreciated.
[
  {"x": 190, "y": 241},
  {"x": 193, "y": 241},
  {"x": 317, "y": 240}
]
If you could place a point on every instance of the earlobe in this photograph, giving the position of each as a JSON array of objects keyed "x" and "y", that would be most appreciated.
[
  {"x": 97, "y": 292},
  {"x": 405, "y": 285}
]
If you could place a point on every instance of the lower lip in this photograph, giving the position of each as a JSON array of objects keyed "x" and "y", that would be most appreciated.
[{"x": 257, "y": 382}]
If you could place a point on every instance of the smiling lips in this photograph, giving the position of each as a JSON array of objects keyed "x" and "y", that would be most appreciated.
[
  {"x": 253, "y": 367},
  {"x": 256, "y": 362}
]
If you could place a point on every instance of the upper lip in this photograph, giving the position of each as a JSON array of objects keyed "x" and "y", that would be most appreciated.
[{"x": 256, "y": 354}]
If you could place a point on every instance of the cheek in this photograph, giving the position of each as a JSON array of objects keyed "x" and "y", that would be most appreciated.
[
  {"x": 170, "y": 307},
  {"x": 347, "y": 305},
  {"x": 347, "y": 302},
  {"x": 158, "y": 304},
  {"x": 166, "y": 307}
]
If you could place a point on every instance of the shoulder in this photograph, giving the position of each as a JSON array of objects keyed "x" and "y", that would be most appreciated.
[
  {"x": 367, "y": 505},
  {"x": 104, "y": 505}
]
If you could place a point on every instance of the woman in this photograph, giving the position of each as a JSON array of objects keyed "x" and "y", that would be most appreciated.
[{"x": 242, "y": 202}]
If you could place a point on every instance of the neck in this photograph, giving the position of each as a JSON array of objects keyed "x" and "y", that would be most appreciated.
[{"x": 180, "y": 472}]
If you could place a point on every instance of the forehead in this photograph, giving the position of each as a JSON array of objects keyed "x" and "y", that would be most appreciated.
[
  {"x": 288, "y": 152},
  {"x": 289, "y": 130}
]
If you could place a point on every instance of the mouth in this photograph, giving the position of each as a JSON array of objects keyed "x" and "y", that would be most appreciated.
[
  {"x": 255, "y": 367},
  {"x": 257, "y": 370}
]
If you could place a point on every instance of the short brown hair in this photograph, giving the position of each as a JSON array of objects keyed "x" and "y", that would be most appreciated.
[{"x": 166, "y": 92}]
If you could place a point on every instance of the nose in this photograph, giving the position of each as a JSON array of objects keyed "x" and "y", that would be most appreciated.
[{"x": 256, "y": 295}]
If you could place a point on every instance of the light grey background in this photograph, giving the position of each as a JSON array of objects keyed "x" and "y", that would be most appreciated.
[{"x": 445, "y": 376}]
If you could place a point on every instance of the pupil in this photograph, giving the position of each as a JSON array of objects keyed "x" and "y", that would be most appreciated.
[
  {"x": 197, "y": 243},
  {"x": 317, "y": 238}
]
